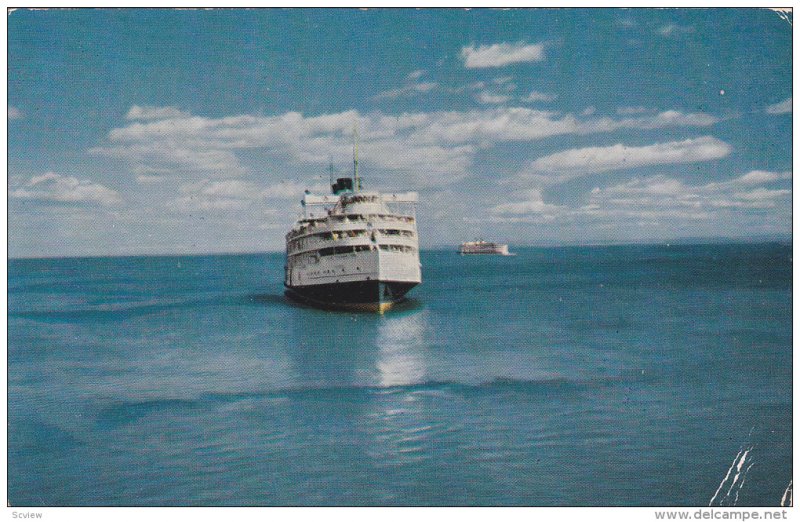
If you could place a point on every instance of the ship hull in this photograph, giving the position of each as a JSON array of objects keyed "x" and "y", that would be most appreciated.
[{"x": 362, "y": 296}]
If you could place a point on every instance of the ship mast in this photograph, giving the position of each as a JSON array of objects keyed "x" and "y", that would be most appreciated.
[
  {"x": 330, "y": 169},
  {"x": 357, "y": 180}
]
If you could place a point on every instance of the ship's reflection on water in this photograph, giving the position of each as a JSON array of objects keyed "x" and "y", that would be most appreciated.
[
  {"x": 369, "y": 382},
  {"x": 356, "y": 349},
  {"x": 400, "y": 344},
  {"x": 407, "y": 435}
]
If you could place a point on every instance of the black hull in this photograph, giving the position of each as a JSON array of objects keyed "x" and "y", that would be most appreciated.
[{"x": 369, "y": 296}]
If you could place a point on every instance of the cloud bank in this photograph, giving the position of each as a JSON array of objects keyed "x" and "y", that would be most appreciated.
[
  {"x": 437, "y": 147},
  {"x": 659, "y": 200}
]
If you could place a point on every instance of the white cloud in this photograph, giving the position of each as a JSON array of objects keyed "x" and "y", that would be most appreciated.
[
  {"x": 656, "y": 199},
  {"x": 501, "y": 54},
  {"x": 660, "y": 196},
  {"x": 237, "y": 194},
  {"x": 65, "y": 189},
  {"x": 588, "y": 111},
  {"x": 498, "y": 91},
  {"x": 572, "y": 163},
  {"x": 229, "y": 188},
  {"x": 671, "y": 119},
  {"x": 536, "y": 96},
  {"x": 14, "y": 113},
  {"x": 757, "y": 177},
  {"x": 154, "y": 113},
  {"x": 505, "y": 83},
  {"x": 412, "y": 87},
  {"x": 763, "y": 196},
  {"x": 532, "y": 204},
  {"x": 674, "y": 29},
  {"x": 487, "y": 97},
  {"x": 146, "y": 179},
  {"x": 783, "y": 107},
  {"x": 148, "y": 175},
  {"x": 522, "y": 124},
  {"x": 429, "y": 148},
  {"x": 292, "y": 190},
  {"x": 228, "y": 194},
  {"x": 188, "y": 145}
]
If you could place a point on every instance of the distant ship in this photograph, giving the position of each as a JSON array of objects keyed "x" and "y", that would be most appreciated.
[
  {"x": 353, "y": 250},
  {"x": 483, "y": 247}
]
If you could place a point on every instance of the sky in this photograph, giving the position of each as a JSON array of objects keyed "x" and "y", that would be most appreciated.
[{"x": 195, "y": 131}]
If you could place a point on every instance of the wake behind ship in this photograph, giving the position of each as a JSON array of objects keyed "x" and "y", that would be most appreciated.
[{"x": 353, "y": 249}]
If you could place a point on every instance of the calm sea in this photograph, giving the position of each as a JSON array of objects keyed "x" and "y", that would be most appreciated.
[{"x": 628, "y": 375}]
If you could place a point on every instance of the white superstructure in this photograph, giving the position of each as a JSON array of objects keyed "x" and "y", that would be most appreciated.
[{"x": 354, "y": 249}]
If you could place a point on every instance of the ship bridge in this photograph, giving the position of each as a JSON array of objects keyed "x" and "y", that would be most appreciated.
[{"x": 361, "y": 203}]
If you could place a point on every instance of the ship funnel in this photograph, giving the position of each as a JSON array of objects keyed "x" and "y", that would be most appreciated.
[{"x": 342, "y": 185}]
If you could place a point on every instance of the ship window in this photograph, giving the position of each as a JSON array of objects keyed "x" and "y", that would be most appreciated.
[
  {"x": 330, "y": 251},
  {"x": 396, "y": 248},
  {"x": 395, "y": 232},
  {"x": 341, "y": 233}
]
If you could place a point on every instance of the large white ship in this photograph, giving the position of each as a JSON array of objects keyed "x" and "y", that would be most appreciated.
[{"x": 353, "y": 249}]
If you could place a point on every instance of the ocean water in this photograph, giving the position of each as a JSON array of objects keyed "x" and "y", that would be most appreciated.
[{"x": 626, "y": 375}]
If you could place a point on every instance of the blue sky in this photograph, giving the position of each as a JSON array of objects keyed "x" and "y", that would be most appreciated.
[{"x": 161, "y": 131}]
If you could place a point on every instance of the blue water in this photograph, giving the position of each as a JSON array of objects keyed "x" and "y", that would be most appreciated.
[{"x": 628, "y": 375}]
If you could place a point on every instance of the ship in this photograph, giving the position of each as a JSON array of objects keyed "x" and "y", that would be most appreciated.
[
  {"x": 483, "y": 247},
  {"x": 353, "y": 249}
]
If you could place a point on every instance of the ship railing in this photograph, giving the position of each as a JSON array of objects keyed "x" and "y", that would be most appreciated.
[
  {"x": 355, "y": 249},
  {"x": 405, "y": 249},
  {"x": 378, "y": 221},
  {"x": 350, "y": 238}
]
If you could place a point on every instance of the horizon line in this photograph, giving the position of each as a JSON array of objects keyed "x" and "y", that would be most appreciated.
[{"x": 686, "y": 241}]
